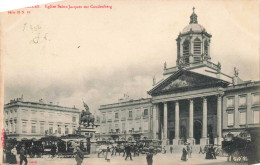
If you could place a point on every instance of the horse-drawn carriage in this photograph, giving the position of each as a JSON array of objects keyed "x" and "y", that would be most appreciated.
[{"x": 237, "y": 149}]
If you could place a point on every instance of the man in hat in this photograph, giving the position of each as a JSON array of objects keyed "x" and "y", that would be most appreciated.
[
  {"x": 79, "y": 156},
  {"x": 149, "y": 157},
  {"x": 23, "y": 156},
  {"x": 128, "y": 152}
]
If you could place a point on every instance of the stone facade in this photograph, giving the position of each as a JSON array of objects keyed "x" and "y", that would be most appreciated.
[
  {"x": 128, "y": 119},
  {"x": 195, "y": 102},
  {"x": 28, "y": 120}
]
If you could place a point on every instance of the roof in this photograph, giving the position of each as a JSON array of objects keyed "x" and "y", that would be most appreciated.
[
  {"x": 184, "y": 80},
  {"x": 194, "y": 28}
]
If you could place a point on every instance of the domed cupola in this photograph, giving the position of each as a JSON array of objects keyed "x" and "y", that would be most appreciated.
[{"x": 193, "y": 43}]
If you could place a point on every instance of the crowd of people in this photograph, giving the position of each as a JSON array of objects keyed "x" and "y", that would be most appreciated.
[
  {"x": 128, "y": 150},
  {"x": 17, "y": 153},
  {"x": 209, "y": 150}
]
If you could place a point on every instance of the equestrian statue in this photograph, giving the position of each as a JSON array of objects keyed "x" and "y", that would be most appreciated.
[{"x": 86, "y": 117}]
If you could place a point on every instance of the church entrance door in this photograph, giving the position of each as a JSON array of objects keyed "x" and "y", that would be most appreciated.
[{"x": 197, "y": 131}]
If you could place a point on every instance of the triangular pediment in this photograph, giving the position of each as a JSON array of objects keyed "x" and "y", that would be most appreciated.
[{"x": 184, "y": 80}]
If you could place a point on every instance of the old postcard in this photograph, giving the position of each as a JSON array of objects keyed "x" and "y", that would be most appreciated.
[{"x": 131, "y": 82}]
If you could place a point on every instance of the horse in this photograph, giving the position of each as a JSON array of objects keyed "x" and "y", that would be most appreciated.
[{"x": 88, "y": 119}]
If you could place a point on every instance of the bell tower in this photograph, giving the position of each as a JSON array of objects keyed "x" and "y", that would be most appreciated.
[{"x": 193, "y": 43}]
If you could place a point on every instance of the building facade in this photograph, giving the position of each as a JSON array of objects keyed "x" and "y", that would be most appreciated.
[
  {"x": 33, "y": 120},
  {"x": 126, "y": 120},
  {"x": 196, "y": 102}
]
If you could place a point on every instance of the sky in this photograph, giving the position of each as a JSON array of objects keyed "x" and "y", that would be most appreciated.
[{"x": 97, "y": 55}]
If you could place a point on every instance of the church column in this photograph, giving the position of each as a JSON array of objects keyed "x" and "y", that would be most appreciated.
[
  {"x": 177, "y": 124},
  {"x": 165, "y": 122},
  {"x": 191, "y": 139},
  {"x": 219, "y": 120},
  {"x": 155, "y": 121},
  {"x": 204, "y": 139}
]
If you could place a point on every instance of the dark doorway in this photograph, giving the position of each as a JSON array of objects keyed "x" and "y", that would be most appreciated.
[
  {"x": 197, "y": 127},
  {"x": 171, "y": 136},
  {"x": 210, "y": 134},
  {"x": 183, "y": 133}
]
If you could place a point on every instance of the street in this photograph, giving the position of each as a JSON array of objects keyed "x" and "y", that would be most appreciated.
[{"x": 159, "y": 159}]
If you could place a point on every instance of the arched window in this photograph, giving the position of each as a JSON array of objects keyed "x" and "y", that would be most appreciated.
[
  {"x": 186, "y": 47},
  {"x": 206, "y": 48},
  {"x": 197, "y": 46}
]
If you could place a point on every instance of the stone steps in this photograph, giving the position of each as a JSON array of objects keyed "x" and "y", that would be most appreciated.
[{"x": 178, "y": 149}]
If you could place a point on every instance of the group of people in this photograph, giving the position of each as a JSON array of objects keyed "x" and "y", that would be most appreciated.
[
  {"x": 15, "y": 153},
  {"x": 210, "y": 151},
  {"x": 127, "y": 150}
]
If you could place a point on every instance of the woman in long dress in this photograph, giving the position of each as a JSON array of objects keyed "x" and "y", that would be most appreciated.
[
  {"x": 108, "y": 154},
  {"x": 184, "y": 154}
]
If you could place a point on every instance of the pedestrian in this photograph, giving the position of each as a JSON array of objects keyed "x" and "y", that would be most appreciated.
[
  {"x": 23, "y": 156},
  {"x": 149, "y": 157},
  {"x": 79, "y": 156},
  {"x": 188, "y": 149},
  {"x": 171, "y": 148},
  {"x": 200, "y": 150},
  {"x": 13, "y": 159},
  {"x": 184, "y": 154},
  {"x": 209, "y": 153},
  {"x": 164, "y": 150},
  {"x": 214, "y": 149},
  {"x": 128, "y": 152},
  {"x": 53, "y": 150},
  {"x": 108, "y": 154}
]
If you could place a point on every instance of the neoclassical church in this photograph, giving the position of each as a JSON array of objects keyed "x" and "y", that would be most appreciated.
[{"x": 195, "y": 102}]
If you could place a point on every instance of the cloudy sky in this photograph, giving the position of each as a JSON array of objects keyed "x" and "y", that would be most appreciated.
[{"x": 97, "y": 55}]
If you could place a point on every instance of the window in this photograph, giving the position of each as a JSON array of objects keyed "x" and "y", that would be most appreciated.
[
  {"x": 74, "y": 130},
  {"x": 24, "y": 127},
  {"x": 146, "y": 112},
  {"x": 206, "y": 47},
  {"x": 242, "y": 101},
  {"x": 116, "y": 115},
  {"x": 50, "y": 129},
  {"x": 42, "y": 128},
  {"x": 187, "y": 60},
  {"x": 110, "y": 127},
  {"x": 103, "y": 116},
  {"x": 33, "y": 128},
  {"x": 230, "y": 119},
  {"x": 256, "y": 99},
  {"x": 116, "y": 128},
  {"x": 230, "y": 102},
  {"x": 123, "y": 126},
  {"x": 11, "y": 128},
  {"x": 145, "y": 126},
  {"x": 59, "y": 130},
  {"x": 256, "y": 117},
  {"x": 14, "y": 127},
  {"x": 66, "y": 130},
  {"x": 197, "y": 46},
  {"x": 186, "y": 47},
  {"x": 33, "y": 113},
  {"x": 74, "y": 119},
  {"x": 138, "y": 113},
  {"x": 130, "y": 114},
  {"x": 242, "y": 119}
]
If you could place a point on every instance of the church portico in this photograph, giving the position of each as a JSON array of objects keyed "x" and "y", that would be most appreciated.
[{"x": 190, "y": 116}]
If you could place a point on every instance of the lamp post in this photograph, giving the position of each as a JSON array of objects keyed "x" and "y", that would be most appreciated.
[{"x": 125, "y": 135}]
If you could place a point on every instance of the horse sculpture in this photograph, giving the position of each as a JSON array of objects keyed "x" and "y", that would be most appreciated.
[{"x": 86, "y": 117}]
